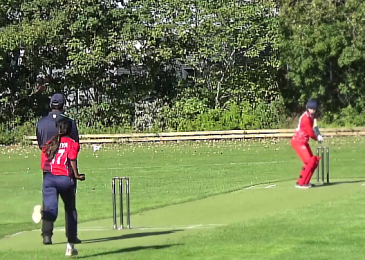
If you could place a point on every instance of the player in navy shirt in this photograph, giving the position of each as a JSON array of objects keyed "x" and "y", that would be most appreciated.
[
  {"x": 46, "y": 126},
  {"x": 46, "y": 129}
]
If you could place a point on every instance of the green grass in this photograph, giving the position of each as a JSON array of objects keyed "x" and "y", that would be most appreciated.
[{"x": 172, "y": 173}]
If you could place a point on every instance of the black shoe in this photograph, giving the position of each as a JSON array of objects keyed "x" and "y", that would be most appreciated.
[
  {"x": 74, "y": 241},
  {"x": 77, "y": 241},
  {"x": 47, "y": 240}
]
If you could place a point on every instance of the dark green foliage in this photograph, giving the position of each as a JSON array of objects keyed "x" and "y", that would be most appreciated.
[
  {"x": 186, "y": 65},
  {"x": 322, "y": 45}
]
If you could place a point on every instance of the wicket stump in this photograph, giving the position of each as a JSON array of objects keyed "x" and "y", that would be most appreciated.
[
  {"x": 114, "y": 198},
  {"x": 321, "y": 150}
]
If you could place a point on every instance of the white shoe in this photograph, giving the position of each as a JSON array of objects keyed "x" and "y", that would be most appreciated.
[
  {"x": 302, "y": 186},
  {"x": 71, "y": 252},
  {"x": 37, "y": 214}
]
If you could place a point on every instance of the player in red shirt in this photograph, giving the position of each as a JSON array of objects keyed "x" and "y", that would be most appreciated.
[
  {"x": 300, "y": 143},
  {"x": 58, "y": 156}
]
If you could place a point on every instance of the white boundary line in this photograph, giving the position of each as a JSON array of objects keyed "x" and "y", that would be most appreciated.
[
  {"x": 151, "y": 228},
  {"x": 197, "y": 226},
  {"x": 16, "y": 234},
  {"x": 250, "y": 187},
  {"x": 258, "y": 186},
  {"x": 270, "y": 186}
]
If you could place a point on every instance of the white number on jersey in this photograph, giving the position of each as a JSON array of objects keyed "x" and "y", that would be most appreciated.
[{"x": 58, "y": 156}]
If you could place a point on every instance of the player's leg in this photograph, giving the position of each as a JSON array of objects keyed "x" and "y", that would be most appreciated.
[
  {"x": 37, "y": 214},
  {"x": 37, "y": 210},
  {"x": 50, "y": 207},
  {"x": 312, "y": 164},
  {"x": 67, "y": 193},
  {"x": 77, "y": 241},
  {"x": 305, "y": 154}
]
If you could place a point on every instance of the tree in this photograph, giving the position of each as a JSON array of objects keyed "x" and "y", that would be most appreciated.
[
  {"x": 68, "y": 44},
  {"x": 322, "y": 44},
  {"x": 234, "y": 50}
]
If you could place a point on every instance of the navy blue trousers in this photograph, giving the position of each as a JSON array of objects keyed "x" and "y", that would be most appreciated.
[{"x": 53, "y": 188}]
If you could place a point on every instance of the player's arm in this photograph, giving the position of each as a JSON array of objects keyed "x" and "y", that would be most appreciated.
[
  {"x": 75, "y": 132},
  {"x": 73, "y": 160},
  {"x": 38, "y": 135},
  {"x": 76, "y": 171}
]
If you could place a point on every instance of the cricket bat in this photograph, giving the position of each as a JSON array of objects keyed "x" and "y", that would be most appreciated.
[{"x": 316, "y": 127}]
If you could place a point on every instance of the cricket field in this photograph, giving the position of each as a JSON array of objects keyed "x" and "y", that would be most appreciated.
[{"x": 195, "y": 200}]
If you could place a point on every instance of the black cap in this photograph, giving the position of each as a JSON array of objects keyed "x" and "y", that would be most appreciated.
[
  {"x": 312, "y": 104},
  {"x": 57, "y": 100}
]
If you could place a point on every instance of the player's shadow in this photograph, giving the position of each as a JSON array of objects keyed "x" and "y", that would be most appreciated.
[
  {"x": 126, "y": 236},
  {"x": 128, "y": 249},
  {"x": 131, "y": 235},
  {"x": 335, "y": 183}
]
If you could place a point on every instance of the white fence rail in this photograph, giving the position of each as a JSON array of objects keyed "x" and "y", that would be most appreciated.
[{"x": 206, "y": 135}]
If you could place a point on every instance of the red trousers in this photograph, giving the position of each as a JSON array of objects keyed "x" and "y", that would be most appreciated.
[{"x": 310, "y": 162}]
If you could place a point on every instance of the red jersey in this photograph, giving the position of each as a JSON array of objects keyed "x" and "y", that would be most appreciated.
[
  {"x": 60, "y": 164},
  {"x": 304, "y": 131}
]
